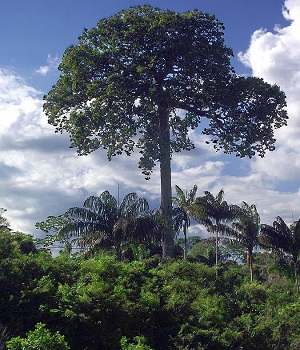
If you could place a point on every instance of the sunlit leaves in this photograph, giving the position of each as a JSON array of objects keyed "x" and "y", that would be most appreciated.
[
  {"x": 160, "y": 58},
  {"x": 249, "y": 111}
]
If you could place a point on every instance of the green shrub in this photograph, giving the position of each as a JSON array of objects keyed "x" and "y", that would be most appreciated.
[
  {"x": 39, "y": 339},
  {"x": 139, "y": 344}
]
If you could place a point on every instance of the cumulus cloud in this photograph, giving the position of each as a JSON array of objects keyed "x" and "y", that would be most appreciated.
[
  {"x": 275, "y": 56},
  {"x": 39, "y": 174},
  {"x": 52, "y": 63}
]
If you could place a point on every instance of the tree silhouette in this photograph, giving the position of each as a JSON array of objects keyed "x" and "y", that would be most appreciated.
[{"x": 245, "y": 231}]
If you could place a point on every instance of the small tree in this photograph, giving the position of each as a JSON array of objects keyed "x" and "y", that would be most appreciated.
[
  {"x": 95, "y": 224},
  {"x": 245, "y": 231},
  {"x": 144, "y": 77},
  {"x": 283, "y": 239},
  {"x": 181, "y": 212},
  {"x": 212, "y": 211},
  {"x": 4, "y": 223},
  {"x": 40, "y": 338}
]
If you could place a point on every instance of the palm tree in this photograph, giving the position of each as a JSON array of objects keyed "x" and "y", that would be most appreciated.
[
  {"x": 212, "y": 211},
  {"x": 284, "y": 239},
  {"x": 182, "y": 211},
  {"x": 93, "y": 224},
  {"x": 245, "y": 231}
]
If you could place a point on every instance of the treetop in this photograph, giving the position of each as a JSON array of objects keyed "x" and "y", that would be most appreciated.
[{"x": 142, "y": 64}]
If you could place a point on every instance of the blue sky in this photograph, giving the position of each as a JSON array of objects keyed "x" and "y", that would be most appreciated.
[
  {"x": 32, "y": 30},
  {"x": 41, "y": 176}
]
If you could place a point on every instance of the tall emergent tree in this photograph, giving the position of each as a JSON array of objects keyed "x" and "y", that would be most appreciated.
[{"x": 144, "y": 77}]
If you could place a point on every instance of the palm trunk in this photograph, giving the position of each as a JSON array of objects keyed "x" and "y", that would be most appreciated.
[
  {"x": 295, "y": 273},
  {"x": 217, "y": 248},
  {"x": 217, "y": 252},
  {"x": 166, "y": 189},
  {"x": 296, "y": 278},
  {"x": 250, "y": 263},
  {"x": 185, "y": 241}
]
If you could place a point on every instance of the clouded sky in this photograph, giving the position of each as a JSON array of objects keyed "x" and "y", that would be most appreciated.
[{"x": 41, "y": 176}]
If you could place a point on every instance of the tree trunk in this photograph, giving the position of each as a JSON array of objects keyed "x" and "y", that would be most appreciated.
[
  {"x": 166, "y": 188},
  {"x": 185, "y": 241},
  {"x": 250, "y": 263},
  {"x": 217, "y": 247},
  {"x": 295, "y": 272}
]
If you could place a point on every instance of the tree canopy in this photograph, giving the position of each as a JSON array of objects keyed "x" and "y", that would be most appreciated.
[{"x": 144, "y": 77}]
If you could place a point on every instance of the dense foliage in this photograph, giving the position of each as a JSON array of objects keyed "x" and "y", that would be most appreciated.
[
  {"x": 102, "y": 303},
  {"x": 144, "y": 78}
]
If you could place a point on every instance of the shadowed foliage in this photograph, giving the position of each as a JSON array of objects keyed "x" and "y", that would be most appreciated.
[
  {"x": 245, "y": 231},
  {"x": 212, "y": 211},
  {"x": 283, "y": 239}
]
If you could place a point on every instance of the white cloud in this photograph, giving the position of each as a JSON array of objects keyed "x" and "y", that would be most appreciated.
[
  {"x": 52, "y": 63},
  {"x": 43, "y": 70},
  {"x": 39, "y": 174},
  {"x": 275, "y": 56}
]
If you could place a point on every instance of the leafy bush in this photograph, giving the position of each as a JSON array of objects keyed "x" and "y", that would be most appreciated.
[
  {"x": 101, "y": 303},
  {"x": 39, "y": 339},
  {"x": 139, "y": 344}
]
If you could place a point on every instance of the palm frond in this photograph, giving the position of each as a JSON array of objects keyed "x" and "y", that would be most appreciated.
[
  {"x": 180, "y": 218},
  {"x": 81, "y": 228},
  {"x": 180, "y": 200},
  {"x": 94, "y": 204},
  {"x": 132, "y": 205},
  {"x": 143, "y": 229},
  {"x": 296, "y": 230},
  {"x": 192, "y": 194},
  {"x": 81, "y": 214},
  {"x": 278, "y": 236},
  {"x": 220, "y": 196}
]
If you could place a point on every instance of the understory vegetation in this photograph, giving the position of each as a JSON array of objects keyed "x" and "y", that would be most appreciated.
[{"x": 100, "y": 302}]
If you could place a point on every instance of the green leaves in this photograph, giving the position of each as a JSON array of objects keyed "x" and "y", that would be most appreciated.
[
  {"x": 40, "y": 338},
  {"x": 159, "y": 58},
  {"x": 249, "y": 111},
  {"x": 281, "y": 237}
]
